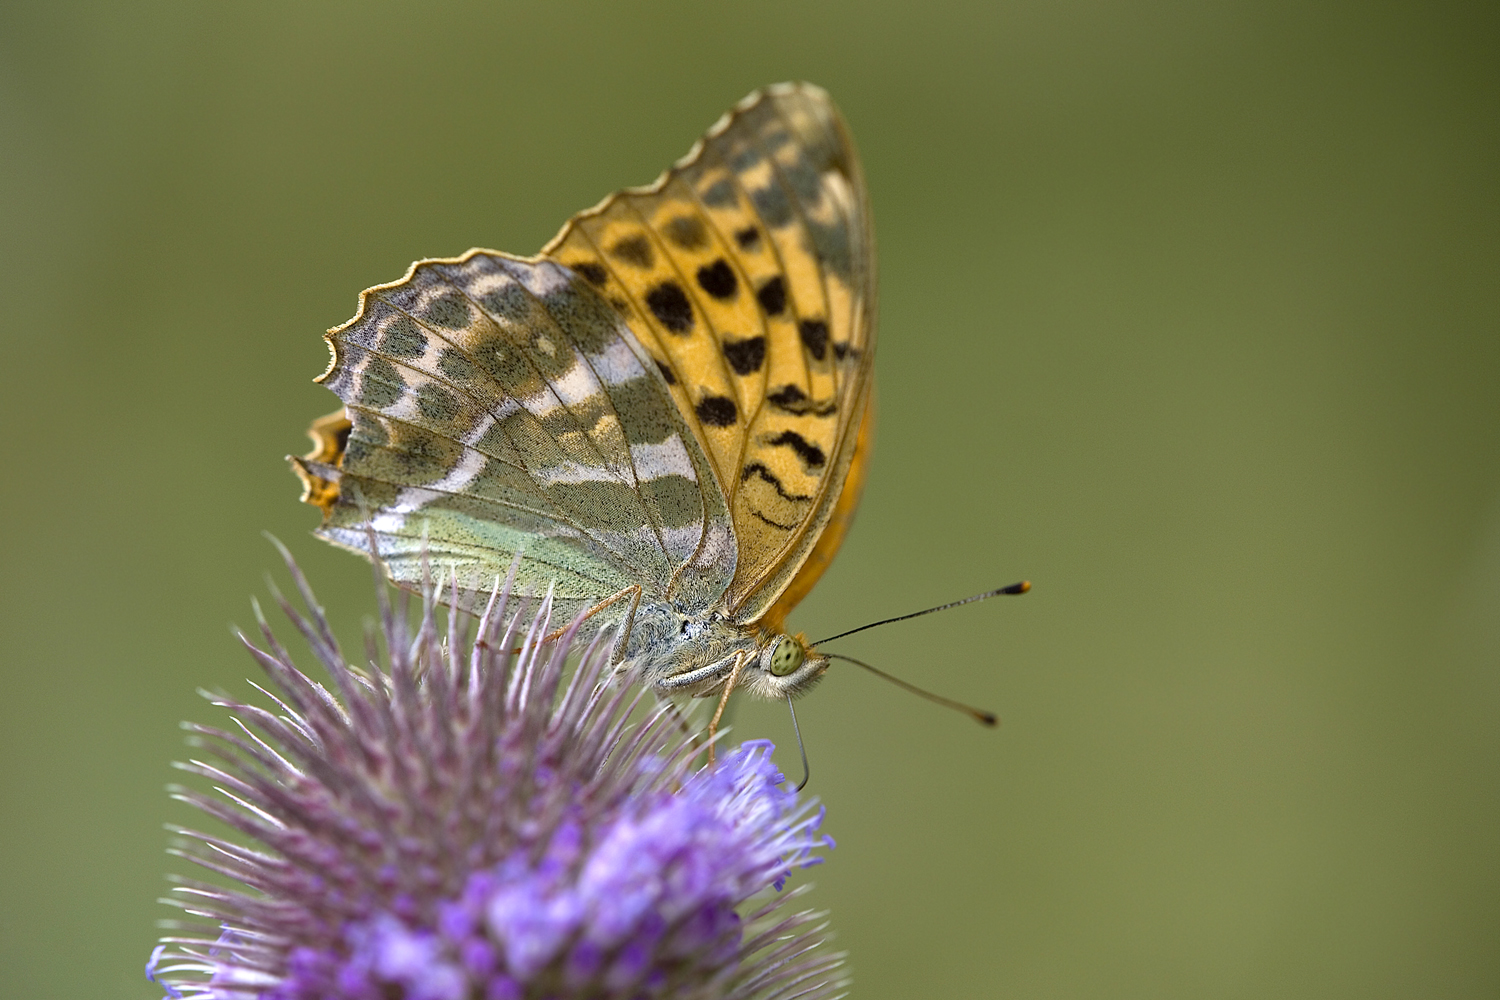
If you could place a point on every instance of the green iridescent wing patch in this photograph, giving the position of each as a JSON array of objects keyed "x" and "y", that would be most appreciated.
[{"x": 495, "y": 406}]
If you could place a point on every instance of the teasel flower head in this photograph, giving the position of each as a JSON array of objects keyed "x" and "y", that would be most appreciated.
[{"x": 461, "y": 818}]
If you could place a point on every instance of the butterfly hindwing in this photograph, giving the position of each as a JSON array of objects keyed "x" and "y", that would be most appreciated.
[
  {"x": 747, "y": 272},
  {"x": 498, "y": 405}
]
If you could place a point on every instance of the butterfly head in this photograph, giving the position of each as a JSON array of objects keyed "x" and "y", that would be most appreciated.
[{"x": 783, "y": 665}]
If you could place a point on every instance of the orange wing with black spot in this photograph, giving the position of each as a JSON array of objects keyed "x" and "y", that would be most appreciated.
[{"x": 748, "y": 273}]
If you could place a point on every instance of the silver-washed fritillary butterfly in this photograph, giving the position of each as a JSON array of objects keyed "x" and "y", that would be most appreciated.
[{"x": 662, "y": 418}]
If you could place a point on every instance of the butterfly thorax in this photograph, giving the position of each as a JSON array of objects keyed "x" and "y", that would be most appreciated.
[{"x": 678, "y": 652}]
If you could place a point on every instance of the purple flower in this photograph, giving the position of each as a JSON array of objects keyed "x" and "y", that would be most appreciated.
[{"x": 463, "y": 819}]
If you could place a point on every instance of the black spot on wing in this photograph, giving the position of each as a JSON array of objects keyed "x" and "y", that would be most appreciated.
[
  {"x": 669, "y": 303},
  {"x": 718, "y": 280},
  {"x": 592, "y": 272},
  {"x": 790, "y": 399},
  {"x": 772, "y": 296},
  {"x": 748, "y": 238},
  {"x": 634, "y": 250},
  {"x": 666, "y": 372},
  {"x": 806, "y": 450},
  {"x": 774, "y": 524},
  {"x": 814, "y": 334},
  {"x": 716, "y": 411},
  {"x": 745, "y": 356},
  {"x": 686, "y": 231},
  {"x": 759, "y": 469},
  {"x": 787, "y": 397}
]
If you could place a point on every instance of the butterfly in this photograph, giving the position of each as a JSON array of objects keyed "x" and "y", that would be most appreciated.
[{"x": 662, "y": 418}]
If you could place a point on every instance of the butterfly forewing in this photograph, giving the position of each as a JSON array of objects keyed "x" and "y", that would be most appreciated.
[{"x": 747, "y": 271}]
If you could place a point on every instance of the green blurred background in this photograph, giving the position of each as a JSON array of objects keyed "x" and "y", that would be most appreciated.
[{"x": 1189, "y": 315}]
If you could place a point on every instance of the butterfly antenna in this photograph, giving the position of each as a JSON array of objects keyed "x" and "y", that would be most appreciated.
[
  {"x": 806, "y": 771},
  {"x": 979, "y": 715},
  {"x": 1015, "y": 588}
]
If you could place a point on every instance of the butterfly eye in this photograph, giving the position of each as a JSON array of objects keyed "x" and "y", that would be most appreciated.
[{"x": 786, "y": 656}]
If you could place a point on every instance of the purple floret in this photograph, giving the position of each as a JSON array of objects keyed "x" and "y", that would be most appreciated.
[{"x": 468, "y": 821}]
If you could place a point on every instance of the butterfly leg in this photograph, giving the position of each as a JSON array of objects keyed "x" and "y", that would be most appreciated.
[
  {"x": 734, "y": 675},
  {"x": 634, "y": 593},
  {"x": 618, "y": 654}
]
